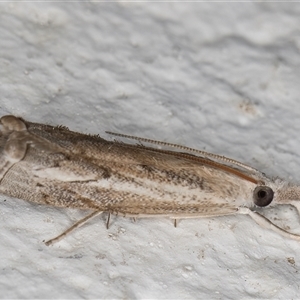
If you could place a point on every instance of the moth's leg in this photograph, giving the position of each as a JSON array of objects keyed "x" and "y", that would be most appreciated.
[
  {"x": 296, "y": 204},
  {"x": 107, "y": 222},
  {"x": 266, "y": 223},
  {"x": 76, "y": 225},
  {"x": 175, "y": 223}
]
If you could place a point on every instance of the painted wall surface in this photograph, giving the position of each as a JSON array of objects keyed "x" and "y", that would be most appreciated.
[{"x": 223, "y": 77}]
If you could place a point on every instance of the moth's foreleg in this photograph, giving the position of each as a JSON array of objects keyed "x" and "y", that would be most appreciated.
[
  {"x": 107, "y": 222},
  {"x": 266, "y": 223},
  {"x": 73, "y": 227}
]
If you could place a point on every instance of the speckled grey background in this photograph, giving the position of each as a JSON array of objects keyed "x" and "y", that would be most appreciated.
[{"x": 217, "y": 76}]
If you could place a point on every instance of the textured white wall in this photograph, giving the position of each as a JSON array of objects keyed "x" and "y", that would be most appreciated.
[{"x": 217, "y": 76}]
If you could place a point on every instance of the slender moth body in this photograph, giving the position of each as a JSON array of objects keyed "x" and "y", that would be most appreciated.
[{"x": 58, "y": 167}]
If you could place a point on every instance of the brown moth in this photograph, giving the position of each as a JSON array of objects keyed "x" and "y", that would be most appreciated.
[{"x": 58, "y": 167}]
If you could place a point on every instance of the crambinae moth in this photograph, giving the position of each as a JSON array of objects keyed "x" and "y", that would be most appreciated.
[{"x": 62, "y": 168}]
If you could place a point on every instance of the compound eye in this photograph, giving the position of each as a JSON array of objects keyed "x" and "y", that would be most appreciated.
[{"x": 263, "y": 195}]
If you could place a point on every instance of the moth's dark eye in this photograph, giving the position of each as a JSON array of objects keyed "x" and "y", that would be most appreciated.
[{"x": 263, "y": 195}]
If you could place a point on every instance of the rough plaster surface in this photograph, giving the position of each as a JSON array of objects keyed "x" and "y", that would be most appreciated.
[{"x": 217, "y": 76}]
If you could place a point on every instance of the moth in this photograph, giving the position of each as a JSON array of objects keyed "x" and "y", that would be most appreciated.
[{"x": 62, "y": 168}]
